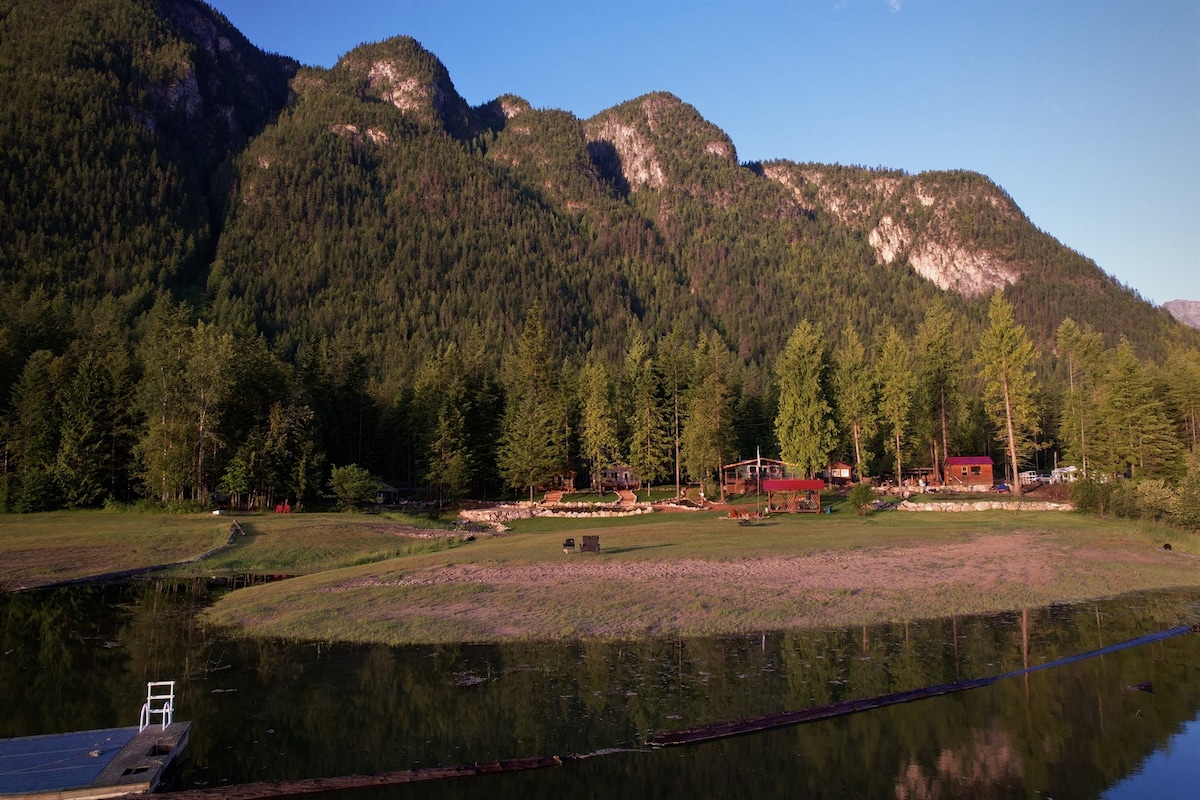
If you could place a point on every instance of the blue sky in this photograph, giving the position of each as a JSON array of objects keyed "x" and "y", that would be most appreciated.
[{"x": 1086, "y": 112}]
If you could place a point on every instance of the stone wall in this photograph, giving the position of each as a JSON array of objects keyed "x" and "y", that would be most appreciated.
[
  {"x": 507, "y": 513},
  {"x": 616, "y": 511},
  {"x": 986, "y": 505},
  {"x": 496, "y": 513}
]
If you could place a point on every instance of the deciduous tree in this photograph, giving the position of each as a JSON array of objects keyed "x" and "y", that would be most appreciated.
[
  {"x": 854, "y": 392},
  {"x": 353, "y": 486},
  {"x": 708, "y": 410},
  {"x": 804, "y": 424},
  {"x": 1079, "y": 349}
]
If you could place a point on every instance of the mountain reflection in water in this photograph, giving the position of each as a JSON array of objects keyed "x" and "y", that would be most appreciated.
[{"x": 79, "y": 658}]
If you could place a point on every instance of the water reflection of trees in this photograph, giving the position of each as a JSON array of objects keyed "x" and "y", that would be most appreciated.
[{"x": 80, "y": 658}]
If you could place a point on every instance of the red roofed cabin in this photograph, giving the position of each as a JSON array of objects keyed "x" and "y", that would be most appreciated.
[
  {"x": 840, "y": 473},
  {"x": 968, "y": 471},
  {"x": 794, "y": 495}
]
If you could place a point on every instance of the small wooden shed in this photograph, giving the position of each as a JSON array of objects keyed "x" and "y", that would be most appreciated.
[
  {"x": 562, "y": 481},
  {"x": 968, "y": 471},
  {"x": 840, "y": 473},
  {"x": 794, "y": 495}
]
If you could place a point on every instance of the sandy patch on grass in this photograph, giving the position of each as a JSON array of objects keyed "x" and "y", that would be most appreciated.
[
  {"x": 979, "y": 561},
  {"x": 587, "y": 595}
]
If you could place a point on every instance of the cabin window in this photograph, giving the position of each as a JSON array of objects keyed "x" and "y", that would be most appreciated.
[
  {"x": 976, "y": 470},
  {"x": 964, "y": 470}
]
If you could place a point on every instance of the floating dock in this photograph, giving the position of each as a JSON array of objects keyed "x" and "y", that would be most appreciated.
[{"x": 88, "y": 765}]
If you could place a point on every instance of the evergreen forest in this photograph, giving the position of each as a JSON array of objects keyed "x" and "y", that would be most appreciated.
[{"x": 225, "y": 275}]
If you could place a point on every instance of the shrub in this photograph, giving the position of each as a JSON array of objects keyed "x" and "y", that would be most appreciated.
[
  {"x": 1124, "y": 500},
  {"x": 1091, "y": 496},
  {"x": 353, "y": 486},
  {"x": 1155, "y": 500},
  {"x": 1187, "y": 501},
  {"x": 860, "y": 497}
]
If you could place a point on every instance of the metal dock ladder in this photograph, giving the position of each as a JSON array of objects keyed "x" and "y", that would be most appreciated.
[{"x": 160, "y": 702}]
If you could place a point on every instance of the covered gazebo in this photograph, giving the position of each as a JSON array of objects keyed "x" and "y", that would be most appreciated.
[{"x": 794, "y": 495}]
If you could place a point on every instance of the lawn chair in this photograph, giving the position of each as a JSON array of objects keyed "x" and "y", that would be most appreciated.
[
  {"x": 591, "y": 544},
  {"x": 569, "y": 546}
]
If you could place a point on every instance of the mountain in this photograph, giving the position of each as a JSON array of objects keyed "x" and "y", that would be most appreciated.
[
  {"x": 366, "y": 237},
  {"x": 1186, "y": 311},
  {"x": 116, "y": 116},
  {"x": 641, "y": 215},
  {"x": 371, "y": 202}
]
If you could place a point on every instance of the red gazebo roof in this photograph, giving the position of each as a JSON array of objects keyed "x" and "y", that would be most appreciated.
[{"x": 793, "y": 485}]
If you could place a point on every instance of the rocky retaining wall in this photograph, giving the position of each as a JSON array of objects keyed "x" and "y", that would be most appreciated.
[
  {"x": 986, "y": 505},
  {"x": 617, "y": 511},
  {"x": 502, "y": 514},
  {"x": 496, "y": 513}
]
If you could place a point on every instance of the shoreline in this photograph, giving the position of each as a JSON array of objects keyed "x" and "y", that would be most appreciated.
[
  {"x": 398, "y": 580},
  {"x": 481, "y": 602}
]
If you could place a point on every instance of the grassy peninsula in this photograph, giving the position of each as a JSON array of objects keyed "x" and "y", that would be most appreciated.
[{"x": 387, "y": 579}]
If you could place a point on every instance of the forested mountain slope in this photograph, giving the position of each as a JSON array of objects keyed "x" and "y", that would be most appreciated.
[
  {"x": 117, "y": 118},
  {"x": 366, "y": 239},
  {"x": 382, "y": 205}
]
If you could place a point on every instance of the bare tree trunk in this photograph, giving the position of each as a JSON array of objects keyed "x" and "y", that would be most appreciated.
[
  {"x": 677, "y": 486},
  {"x": 1012, "y": 442},
  {"x": 857, "y": 451},
  {"x": 899, "y": 470},
  {"x": 945, "y": 437}
]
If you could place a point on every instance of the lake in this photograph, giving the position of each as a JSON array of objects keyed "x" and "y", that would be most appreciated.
[{"x": 1122, "y": 725}]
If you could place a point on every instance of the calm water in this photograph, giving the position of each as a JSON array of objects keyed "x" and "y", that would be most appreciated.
[{"x": 79, "y": 658}]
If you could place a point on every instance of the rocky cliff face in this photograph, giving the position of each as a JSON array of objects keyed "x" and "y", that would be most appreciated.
[
  {"x": 652, "y": 135},
  {"x": 401, "y": 72},
  {"x": 928, "y": 221},
  {"x": 1186, "y": 311},
  {"x": 225, "y": 89}
]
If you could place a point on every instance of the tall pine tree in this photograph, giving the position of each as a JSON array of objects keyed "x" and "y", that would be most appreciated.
[
  {"x": 897, "y": 386},
  {"x": 1005, "y": 358},
  {"x": 529, "y": 453}
]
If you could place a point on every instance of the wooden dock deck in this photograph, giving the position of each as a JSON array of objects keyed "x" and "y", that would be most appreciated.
[{"x": 89, "y": 765}]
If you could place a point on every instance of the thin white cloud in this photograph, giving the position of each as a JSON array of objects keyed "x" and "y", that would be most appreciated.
[{"x": 895, "y": 5}]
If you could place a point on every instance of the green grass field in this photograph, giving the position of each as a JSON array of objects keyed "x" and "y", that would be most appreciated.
[{"x": 682, "y": 573}]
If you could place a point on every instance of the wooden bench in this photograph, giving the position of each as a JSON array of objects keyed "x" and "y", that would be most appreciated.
[{"x": 591, "y": 544}]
